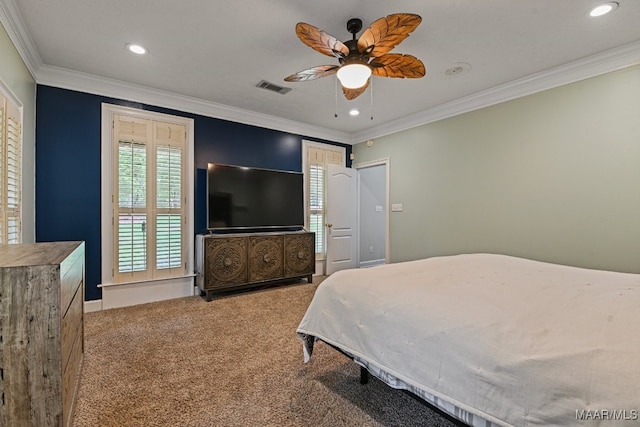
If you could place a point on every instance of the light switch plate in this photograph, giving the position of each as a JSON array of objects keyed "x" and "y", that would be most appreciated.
[{"x": 396, "y": 207}]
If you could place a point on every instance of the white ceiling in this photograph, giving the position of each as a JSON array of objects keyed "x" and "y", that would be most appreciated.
[{"x": 213, "y": 53}]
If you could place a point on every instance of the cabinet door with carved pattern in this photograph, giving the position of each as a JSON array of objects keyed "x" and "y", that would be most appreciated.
[
  {"x": 299, "y": 254},
  {"x": 265, "y": 258},
  {"x": 226, "y": 262}
]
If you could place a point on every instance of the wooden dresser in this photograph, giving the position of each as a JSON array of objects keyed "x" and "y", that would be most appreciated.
[
  {"x": 231, "y": 261},
  {"x": 41, "y": 332}
]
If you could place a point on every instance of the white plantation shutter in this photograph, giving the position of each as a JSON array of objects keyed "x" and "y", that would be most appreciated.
[
  {"x": 316, "y": 204},
  {"x": 149, "y": 231},
  {"x": 14, "y": 184},
  {"x": 170, "y": 207},
  {"x": 333, "y": 157},
  {"x": 3, "y": 162},
  {"x": 168, "y": 241},
  {"x": 10, "y": 170},
  {"x": 133, "y": 137},
  {"x": 132, "y": 217},
  {"x": 317, "y": 160}
]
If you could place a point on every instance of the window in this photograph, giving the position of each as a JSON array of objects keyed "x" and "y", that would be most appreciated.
[
  {"x": 149, "y": 199},
  {"x": 316, "y": 204},
  {"x": 317, "y": 158},
  {"x": 10, "y": 169}
]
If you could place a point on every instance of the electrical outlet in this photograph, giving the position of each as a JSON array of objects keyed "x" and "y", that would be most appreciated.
[{"x": 370, "y": 249}]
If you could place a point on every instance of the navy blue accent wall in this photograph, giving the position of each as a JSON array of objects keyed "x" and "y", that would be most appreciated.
[{"x": 68, "y": 165}]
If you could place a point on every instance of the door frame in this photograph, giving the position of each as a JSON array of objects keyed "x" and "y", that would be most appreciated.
[
  {"x": 306, "y": 143},
  {"x": 386, "y": 162}
]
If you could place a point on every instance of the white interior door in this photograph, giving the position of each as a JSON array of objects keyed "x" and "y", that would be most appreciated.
[{"x": 341, "y": 218}]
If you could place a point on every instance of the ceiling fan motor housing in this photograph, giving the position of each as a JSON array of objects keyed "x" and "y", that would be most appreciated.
[
  {"x": 354, "y": 25},
  {"x": 354, "y": 55}
]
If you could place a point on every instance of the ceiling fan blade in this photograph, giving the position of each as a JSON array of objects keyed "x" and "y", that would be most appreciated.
[
  {"x": 312, "y": 73},
  {"x": 386, "y": 33},
  {"x": 354, "y": 93},
  {"x": 321, "y": 41},
  {"x": 397, "y": 65}
]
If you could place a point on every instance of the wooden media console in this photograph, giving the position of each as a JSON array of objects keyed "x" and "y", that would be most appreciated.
[{"x": 226, "y": 262}]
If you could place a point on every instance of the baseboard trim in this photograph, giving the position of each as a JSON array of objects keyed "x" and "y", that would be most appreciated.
[
  {"x": 146, "y": 292},
  {"x": 93, "y": 305}
]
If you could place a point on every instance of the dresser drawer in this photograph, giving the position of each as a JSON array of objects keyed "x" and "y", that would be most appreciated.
[
  {"x": 71, "y": 326},
  {"x": 71, "y": 273},
  {"x": 70, "y": 378}
]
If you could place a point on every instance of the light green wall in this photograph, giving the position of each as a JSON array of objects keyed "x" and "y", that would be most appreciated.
[
  {"x": 553, "y": 176},
  {"x": 16, "y": 76}
]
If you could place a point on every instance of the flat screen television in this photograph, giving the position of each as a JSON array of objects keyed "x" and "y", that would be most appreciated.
[{"x": 241, "y": 198}]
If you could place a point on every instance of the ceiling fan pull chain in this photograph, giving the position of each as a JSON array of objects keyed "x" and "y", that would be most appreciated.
[
  {"x": 371, "y": 90},
  {"x": 336, "y": 96}
]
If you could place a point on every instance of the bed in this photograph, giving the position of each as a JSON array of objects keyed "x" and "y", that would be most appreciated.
[{"x": 492, "y": 340}]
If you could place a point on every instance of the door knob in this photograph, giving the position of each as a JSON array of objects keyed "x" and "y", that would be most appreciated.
[{"x": 329, "y": 225}]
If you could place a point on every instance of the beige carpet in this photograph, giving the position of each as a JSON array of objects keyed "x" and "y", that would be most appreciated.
[{"x": 235, "y": 361}]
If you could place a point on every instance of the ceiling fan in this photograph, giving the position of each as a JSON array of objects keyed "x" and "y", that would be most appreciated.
[{"x": 360, "y": 58}]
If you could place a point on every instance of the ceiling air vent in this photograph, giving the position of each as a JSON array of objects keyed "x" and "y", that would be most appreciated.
[{"x": 270, "y": 86}]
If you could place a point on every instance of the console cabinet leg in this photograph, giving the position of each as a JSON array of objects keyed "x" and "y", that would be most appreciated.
[{"x": 364, "y": 375}]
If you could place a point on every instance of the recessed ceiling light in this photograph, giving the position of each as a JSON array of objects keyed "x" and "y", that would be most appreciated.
[
  {"x": 604, "y": 8},
  {"x": 136, "y": 48},
  {"x": 354, "y": 112}
]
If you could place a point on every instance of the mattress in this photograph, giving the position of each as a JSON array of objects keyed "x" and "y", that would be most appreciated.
[{"x": 493, "y": 339}]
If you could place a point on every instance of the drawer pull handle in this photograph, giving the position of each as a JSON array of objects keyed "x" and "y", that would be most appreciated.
[
  {"x": 300, "y": 254},
  {"x": 228, "y": 262},
  {"x": 266, "y": 258}
]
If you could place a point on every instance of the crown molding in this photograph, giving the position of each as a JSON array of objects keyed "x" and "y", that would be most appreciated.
[
  {"x": 97, "y": 85},
  {"x": 591, "y": 66},
  {"x": 14, "y": 26},
  {"x": 584, "y": 68}
]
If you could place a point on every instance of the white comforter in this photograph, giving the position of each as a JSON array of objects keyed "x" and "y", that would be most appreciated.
[{"x": 517, "y": 342}]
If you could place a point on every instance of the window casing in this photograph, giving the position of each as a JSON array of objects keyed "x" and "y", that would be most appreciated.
[
  {"x": 150, "y": 233},
  {"x": 10, "y": 169},
  {"x": 317, "y": 159}
]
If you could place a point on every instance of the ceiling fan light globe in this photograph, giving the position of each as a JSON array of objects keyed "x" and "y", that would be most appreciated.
[{"x": 354, "y": 76}]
